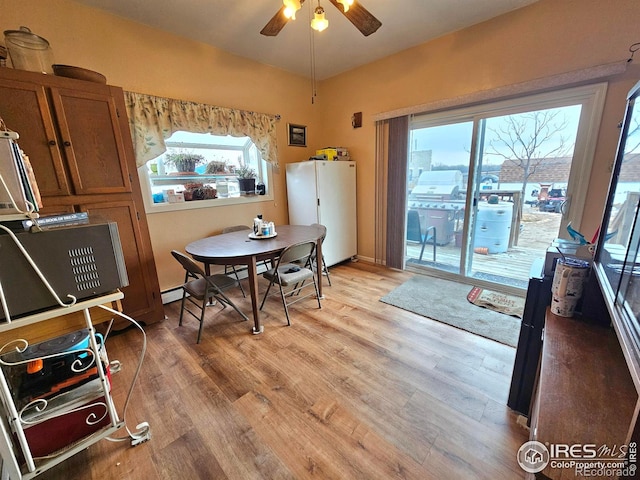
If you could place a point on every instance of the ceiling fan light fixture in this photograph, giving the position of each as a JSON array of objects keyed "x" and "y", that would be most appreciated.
[
  {"x": 345, "y": 4},
  {"x": 319, "y": 22},
  {"x": 291, "y": 7}
]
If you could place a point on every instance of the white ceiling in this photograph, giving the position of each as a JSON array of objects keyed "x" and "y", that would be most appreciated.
[{"x": 234, "y": 26}]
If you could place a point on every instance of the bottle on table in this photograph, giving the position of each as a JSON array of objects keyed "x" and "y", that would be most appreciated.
[{"x": 257, "y": 225}]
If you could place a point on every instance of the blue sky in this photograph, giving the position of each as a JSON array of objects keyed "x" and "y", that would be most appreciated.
[{"x": 450, "y": 144}]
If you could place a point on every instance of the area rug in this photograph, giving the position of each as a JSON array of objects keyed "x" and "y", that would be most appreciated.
[
  {"x": 497, "y": 301},
  {"x": 446, "y": 302}
]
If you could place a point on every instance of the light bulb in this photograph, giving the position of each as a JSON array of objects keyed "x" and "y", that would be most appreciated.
[
  {"x": 291, "y": 7},
  {"x": 345, "y": 4},
  {"x": 319, "y": 22}
]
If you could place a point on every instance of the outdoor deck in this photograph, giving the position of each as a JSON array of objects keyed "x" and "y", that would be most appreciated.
[
  {"x": 514, "y": 264},
  {"x": 512, "y": 268}
]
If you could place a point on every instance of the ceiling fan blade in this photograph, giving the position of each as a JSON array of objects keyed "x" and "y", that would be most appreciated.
[
  {"x": 360, "y": 17},
  {"x": 277, "y": 23}
]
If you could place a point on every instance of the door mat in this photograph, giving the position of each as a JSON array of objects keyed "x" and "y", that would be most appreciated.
[
  {"x": 424, "y": 296},
  {"x": 499, "y": 302}
]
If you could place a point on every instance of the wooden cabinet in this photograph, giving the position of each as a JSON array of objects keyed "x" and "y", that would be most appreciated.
[
  {"x": 94, "y": 150},
  {"x": 141, "y": 273},
  {"x": 77, "y": 137},
  {"x": 585, "y": 400},
  {"x": 25, "y": 109}
]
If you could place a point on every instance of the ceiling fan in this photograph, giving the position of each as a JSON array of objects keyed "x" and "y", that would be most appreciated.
[{"x": 355, "y": 13}]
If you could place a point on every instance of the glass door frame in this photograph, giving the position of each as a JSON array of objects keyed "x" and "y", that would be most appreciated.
[{"x": 591, "y": 97}]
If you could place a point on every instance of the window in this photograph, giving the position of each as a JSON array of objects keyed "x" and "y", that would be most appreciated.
[
  {"x": 529, "y": 154},
  {"x": 230, "y": 153},
  {"x": 203, "y": 170}
]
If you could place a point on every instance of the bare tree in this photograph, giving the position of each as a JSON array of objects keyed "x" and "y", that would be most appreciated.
[{"x": 527, "y": 139}]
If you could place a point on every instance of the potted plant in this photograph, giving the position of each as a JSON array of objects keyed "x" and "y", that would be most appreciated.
[
  {"x": 216, "y": 166},
  {"x": 246, "y": 179},
  {"x": 184, "y": 161},
  {"x": 205, "y": 193},
  {"x": 189, "y": 188}
]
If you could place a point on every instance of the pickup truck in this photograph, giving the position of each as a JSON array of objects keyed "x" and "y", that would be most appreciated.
[{"x": 554, "y": 201}]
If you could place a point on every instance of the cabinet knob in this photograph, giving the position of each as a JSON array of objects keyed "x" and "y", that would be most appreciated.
[
  {"x": 67, "y": 143},
  {"x": 52, "y": 143}
]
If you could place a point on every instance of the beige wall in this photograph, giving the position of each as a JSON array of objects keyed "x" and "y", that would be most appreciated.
[
  {"x": 142, "y": 59},
  {"x": 547, "y": 38}
]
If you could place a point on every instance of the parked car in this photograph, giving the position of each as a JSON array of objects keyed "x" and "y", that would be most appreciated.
[
  {"x": 489, "y": 178},
  {"x": 554, "y": 200}
]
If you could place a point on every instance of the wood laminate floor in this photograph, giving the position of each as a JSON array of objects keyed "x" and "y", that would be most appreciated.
[{"x": 356, "y": 390}]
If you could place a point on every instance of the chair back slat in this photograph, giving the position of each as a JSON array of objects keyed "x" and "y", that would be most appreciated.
[
  {"x": 298, "y": 252},
  {"x": 189, "y": 265}
]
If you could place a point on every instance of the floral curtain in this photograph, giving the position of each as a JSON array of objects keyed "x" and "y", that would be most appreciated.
[{"x": 153, "y": 119}]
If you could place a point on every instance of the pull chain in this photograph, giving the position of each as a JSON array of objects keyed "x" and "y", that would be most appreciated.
[{"x": 312, "y": 55}]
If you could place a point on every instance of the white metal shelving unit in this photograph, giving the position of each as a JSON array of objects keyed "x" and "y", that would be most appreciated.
[
  {"x": 18, "y": 462},
  {"x": 13, "y": 443}
]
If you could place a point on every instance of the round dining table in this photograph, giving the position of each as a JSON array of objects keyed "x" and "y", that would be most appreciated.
[{"x": 244, "y": 248}]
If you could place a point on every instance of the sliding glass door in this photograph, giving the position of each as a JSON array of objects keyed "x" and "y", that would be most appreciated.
[
  {"x": 490, "y": 188},
  {"x": 438, "y": 170}
]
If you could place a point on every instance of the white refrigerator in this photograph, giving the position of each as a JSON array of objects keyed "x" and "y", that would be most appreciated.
[{"x": 325, "y": 192}]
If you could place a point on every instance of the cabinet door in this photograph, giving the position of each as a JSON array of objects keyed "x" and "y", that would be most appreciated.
[
  {"x": 92, "y": 142},
  {"x": 25, "y": 109},
  {"x": 141, "y": 298}
]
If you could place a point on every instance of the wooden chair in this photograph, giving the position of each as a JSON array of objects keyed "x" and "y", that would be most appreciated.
[
  {"x": 288, "y": 272},
  {"x": 201, "y": 287}
]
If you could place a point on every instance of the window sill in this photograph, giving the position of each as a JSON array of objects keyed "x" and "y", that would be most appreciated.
[
  {"x": 152, "y": 208},
  {"x": 160, "y": 180},
  {"x": 195, "y": 204}
]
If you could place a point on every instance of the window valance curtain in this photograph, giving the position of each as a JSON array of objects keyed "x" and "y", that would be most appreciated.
[{"x": 153, "y": 119}]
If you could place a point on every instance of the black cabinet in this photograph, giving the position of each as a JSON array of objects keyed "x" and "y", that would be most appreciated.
[{"x": 525, "y": 367}]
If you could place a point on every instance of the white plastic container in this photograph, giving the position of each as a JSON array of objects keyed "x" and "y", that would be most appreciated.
[
  {"x": 493, "y": 226},
  {"x": 568, "y": 284}
]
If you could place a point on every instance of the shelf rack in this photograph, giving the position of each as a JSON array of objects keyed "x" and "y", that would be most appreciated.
[
  {"x": 38, "y": 327},
  {"x": 17, "y": 460}
]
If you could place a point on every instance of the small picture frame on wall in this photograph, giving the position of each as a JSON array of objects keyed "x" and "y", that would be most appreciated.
[{"x": 297, "y": 135}]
